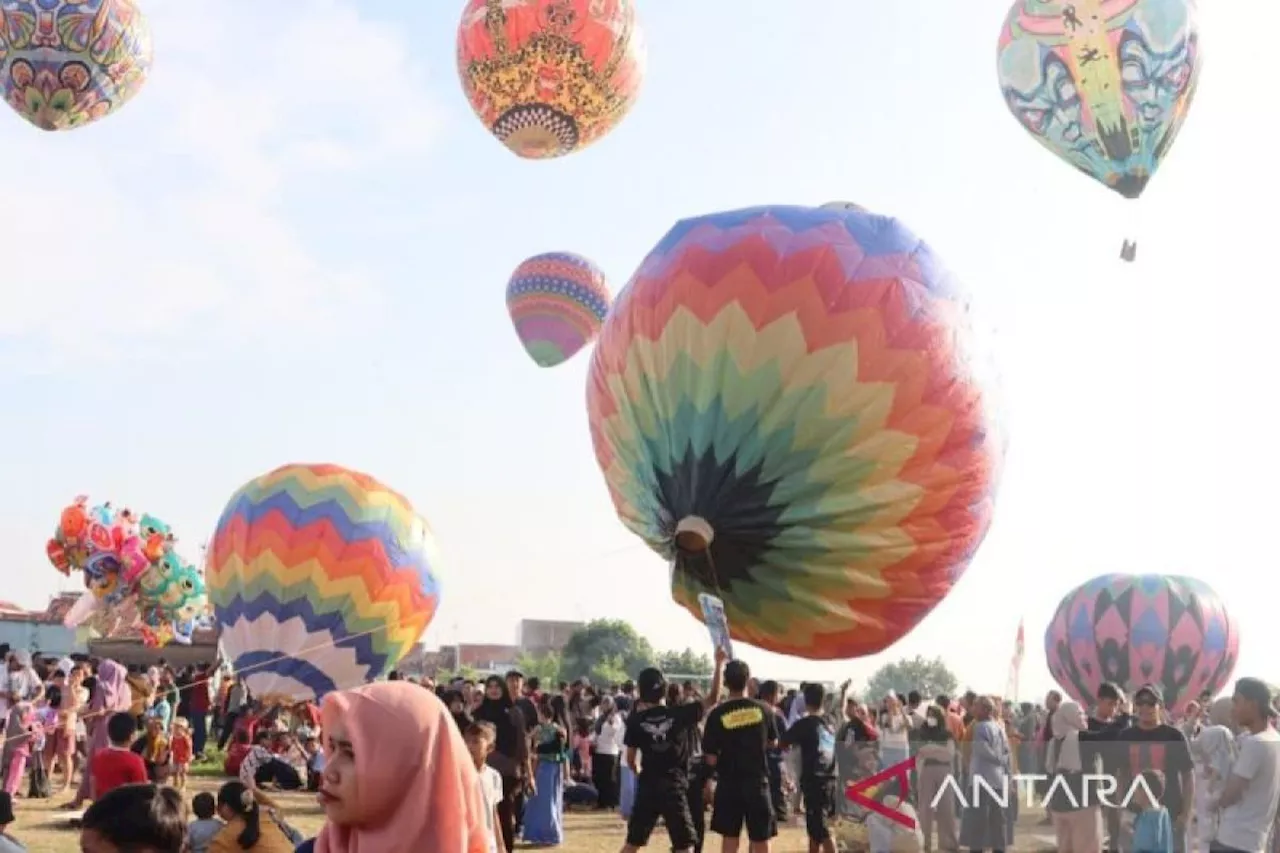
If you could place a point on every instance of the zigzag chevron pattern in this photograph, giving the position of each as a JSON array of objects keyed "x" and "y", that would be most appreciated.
[
  {"x": 802, "y": 379},
  {"x": 318, "y": 551},
  {"x": 1167, "y": 630},
  {"x": 557, "y": 303}
]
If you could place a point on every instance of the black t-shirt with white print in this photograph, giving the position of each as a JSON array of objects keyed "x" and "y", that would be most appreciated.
[{"x": 664, "y": 735}]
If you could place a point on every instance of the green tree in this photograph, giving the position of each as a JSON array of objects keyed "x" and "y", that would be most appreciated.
[
  {"x": 446, "y": 675},
  {"x": 687, "y": 662},
  {"x": 930, "y": 677},
  {"x": 546, "y": 668},
  {"x": 606, "y": 651}
]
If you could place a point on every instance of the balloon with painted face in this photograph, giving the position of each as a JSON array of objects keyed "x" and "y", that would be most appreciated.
[
  {"x": 67, "y": 63},
  {"x": 549, "y": 77},
  {"x": 1168, "y": 630},
  {"x": 787, "y": 404},
  {"x": 1104, "y": 84}
]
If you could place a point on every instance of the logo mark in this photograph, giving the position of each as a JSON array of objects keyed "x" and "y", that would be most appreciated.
[{"x": 900, "y": 771}]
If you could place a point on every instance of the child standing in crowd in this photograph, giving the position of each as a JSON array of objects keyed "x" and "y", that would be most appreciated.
[
  {"x": 17, "y": 746},
  {"x": 480, "y": 738},
  {"x": 116, "y": 765},
  {"x": 817, "y": 745},
  {"x": 1152, "y": 828},
  {"x": 155, "y": 751},
  {"x": 206, "y": 825},
  {"x": 180, "y": 752}
]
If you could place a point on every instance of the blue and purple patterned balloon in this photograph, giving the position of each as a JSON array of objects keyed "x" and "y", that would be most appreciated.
[{"x": 558, "y": 302}]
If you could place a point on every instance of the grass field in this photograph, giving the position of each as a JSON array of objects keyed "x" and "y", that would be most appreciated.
[{"x": 45, "y": 829}]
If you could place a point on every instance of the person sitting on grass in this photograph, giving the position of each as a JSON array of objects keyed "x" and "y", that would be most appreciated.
[
  {"x": 134, "y": 819},
  {"x": 206, "y": 825},
  {"x": 116, "y": 765}
]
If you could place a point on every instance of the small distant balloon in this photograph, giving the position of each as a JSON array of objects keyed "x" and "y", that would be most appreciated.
[
  {"x": 549, "y": 77},
  {"x": 1105, "y": 86},
  {"x": 67, "y": 63},
  {"x": 558, "y": 302}
]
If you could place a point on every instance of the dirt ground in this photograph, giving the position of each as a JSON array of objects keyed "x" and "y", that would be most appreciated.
[{"x": 44, "y": 829}]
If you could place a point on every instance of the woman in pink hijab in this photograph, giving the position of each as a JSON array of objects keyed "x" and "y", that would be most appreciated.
[
  {"x": 110, "y": 696},
  {"x": 397, "y": 775}
]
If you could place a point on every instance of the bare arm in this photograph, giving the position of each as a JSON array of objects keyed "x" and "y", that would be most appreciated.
[
  {"x": 717, "y": 680},
  {"x": 631, "y": 759}
]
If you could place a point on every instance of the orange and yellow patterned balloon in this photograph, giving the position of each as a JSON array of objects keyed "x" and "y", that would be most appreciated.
[{"x": 549, "y": 77}]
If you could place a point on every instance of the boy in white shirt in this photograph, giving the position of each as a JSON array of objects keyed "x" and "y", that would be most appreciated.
[
  {"x": 1248, "y": 801},
  {"x": 480, "y": 738}
]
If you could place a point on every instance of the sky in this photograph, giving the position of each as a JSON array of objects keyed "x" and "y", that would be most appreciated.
[{"x": 293, "y": 246}]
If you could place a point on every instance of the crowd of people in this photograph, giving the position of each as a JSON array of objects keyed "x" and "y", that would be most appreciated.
[{"x": 408, "y": 764}]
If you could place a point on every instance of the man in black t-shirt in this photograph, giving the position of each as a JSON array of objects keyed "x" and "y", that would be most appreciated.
[
  {"x": 770, "y": 693},
  {"x": 1150, "y": 744},
  {"x": 515, "y": 684},
  {"x": 817, "y": 745},
  {"x": 736, "y": 741},
  {"x": 663, "y": 737},
  {"x": 1109, "y": 719}
]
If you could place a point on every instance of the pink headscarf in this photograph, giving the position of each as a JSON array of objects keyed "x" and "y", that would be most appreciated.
[{"x": 407, "y": 752}]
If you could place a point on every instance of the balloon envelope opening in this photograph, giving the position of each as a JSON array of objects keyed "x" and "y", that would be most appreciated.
[{"x": 694, "y": 534}]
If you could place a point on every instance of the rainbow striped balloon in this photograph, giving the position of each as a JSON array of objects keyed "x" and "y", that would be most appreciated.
[
  {"x": 557, "y": 302},
  {"x": 786, "y": 403},
  {"x": 321, "y": 579}
]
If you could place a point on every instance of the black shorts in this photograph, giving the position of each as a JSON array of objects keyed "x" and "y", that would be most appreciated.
[
  {"x": 744, "y": 803},
  {"x": 667, "y": 799},
  {"x": 819, "y": 808}
]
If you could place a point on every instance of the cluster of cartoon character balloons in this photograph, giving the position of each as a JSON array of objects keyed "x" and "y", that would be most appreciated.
[
  {"x": 785, "y": 402},
  {"x": 128, "y": 558}
]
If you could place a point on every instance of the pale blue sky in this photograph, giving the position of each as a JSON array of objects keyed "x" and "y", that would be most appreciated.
[{"x": 293, "y": 247}]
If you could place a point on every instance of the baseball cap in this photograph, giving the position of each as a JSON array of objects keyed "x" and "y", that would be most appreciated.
[
  {"x": 650, "y": 684},
  {"x": 1254, "y": 690},
  {"x": 1150, "y": 691}
]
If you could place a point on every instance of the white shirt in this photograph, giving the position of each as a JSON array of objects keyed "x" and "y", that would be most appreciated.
[
  {"x": 609, "y": 740},
  {"x": 1245, "y": 825},
  {"x": 490, "y": 782}
]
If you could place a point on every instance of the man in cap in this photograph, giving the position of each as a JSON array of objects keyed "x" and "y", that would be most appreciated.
[
  {"x": 1248, "y": 800},
  {"x": 1152, "y": 744},
  {"x": 664, "y": 736}
]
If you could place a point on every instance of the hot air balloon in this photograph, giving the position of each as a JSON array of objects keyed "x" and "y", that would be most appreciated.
[
  {"x": 1103, "y": 84},
  {"x": 66, "y": 63},
  {"x": 321, "y": 578},
  {"x": 548, "y": 77},
  {"x": 1171, "y": 631},
  {"x": 786, "y": 403},
  {"x": 557, "y": 301}
]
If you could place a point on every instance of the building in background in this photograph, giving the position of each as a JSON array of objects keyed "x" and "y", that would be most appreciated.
[
  {"x": 41, "y": 631},
  {"x": 539, "y": 636},
  {"x": 487, "y": 658}
]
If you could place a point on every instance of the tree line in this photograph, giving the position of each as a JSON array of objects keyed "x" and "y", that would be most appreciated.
[{"x": 611, "y": 651}]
